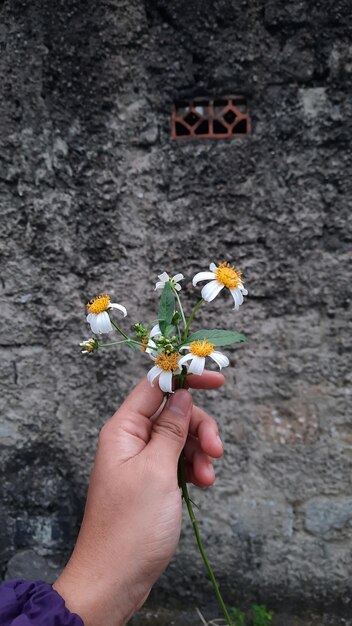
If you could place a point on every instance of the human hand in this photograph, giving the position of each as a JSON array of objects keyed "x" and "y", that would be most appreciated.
[{"x": 132, "y": 520}]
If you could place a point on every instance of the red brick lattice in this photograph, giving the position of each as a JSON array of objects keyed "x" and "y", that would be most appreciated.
[{"x": 217, "y": 118}]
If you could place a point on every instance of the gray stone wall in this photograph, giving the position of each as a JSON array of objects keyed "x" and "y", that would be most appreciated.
[{"x": 95, "y": 196}]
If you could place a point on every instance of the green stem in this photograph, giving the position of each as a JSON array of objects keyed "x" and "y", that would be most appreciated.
[
  {"x": 180, "y": 382},
  {"x": 181, "y": 378},
  {"x": 191, "y": 317},
  {"x": 119, "y": 330},
  {"x": 115, "y": 343},
  {"x": 128, "y": 339},
  {"x": 185, "y": 494},
  {"x": 181, "y": 308}
]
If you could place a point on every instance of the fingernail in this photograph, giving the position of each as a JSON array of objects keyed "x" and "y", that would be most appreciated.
[
  {"x": 180, "y": 402},
  {"x": 219, "y": 441}
]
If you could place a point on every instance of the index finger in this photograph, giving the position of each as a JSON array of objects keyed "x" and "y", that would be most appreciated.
[
  {"x": 207, "y": 380},
  {"x": 146, "y": 400}
]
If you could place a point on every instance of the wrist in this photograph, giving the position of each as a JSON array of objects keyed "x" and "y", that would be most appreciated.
[{"x": 97, "y": 600}]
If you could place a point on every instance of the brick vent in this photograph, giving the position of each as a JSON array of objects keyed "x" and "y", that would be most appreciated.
[{"x": 217, "y": 118}]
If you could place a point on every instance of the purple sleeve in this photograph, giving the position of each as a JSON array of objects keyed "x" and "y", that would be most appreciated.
[{"x": 33, "y": 603}]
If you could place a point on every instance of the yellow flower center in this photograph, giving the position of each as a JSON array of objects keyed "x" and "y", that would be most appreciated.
[
  {"x": 228, "y": 276},
  {"x": 168, "y": 362},
  {"x": 201, "y": 347},
  {"x": 99, "y": 304}
]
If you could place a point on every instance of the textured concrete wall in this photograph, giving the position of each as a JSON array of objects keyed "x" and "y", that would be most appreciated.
[{"x": 96, "y": 197}]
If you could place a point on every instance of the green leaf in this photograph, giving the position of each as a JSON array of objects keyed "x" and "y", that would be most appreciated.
[
  {"x": 217, "y": 337},
  {"x": 239, "y": 616},
  {"x": 166, "y": 307},
  {"x": 261, "y": 616},
  {"x": 169, "y": 330}
]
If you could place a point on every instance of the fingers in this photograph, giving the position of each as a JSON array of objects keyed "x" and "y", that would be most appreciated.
[
  {"x": 170, "y": 429},
  {"x": 205, "y": 428},
  {"x": 202, "y": 445},
  {"x": 146, "y": 400},
  {"x": 199, "y": 465},
  {"x": 174, "y": 422},
  {"x": 207, "y": 380},
  {"x": 201, "y": 475}
]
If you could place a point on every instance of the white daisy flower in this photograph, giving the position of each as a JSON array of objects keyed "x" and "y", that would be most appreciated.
[
  {"x": 198, "y": 351},
  {"x": 89, "y": 346},
  {"x": 222, "y": 276},
  {"x": 166, "y": 365},
  {"x": 165, "y": 278},
  {"x": 98, "y": 316}
]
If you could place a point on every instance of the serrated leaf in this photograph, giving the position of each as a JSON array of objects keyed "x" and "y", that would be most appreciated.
[
  {"x": 217, "y": 337},
  {"x": 166, "y": 307},
  {"x": 162, "y": 326}
]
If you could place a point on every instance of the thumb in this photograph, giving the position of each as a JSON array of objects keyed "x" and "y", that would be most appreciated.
[{"x": 170, "y": 429}]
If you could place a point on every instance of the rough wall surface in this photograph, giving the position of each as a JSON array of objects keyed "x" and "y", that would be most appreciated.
[{"x": 96, "y": 197}]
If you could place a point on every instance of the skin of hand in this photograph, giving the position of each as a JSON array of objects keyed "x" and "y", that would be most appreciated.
[{"x": 132, "y": 519}]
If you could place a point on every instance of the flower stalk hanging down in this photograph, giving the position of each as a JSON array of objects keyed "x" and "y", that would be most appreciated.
[
  {"x": 222, "y": 276},
  {"x": 89, "y": 346},
  {"x": 98, "y": 314}
]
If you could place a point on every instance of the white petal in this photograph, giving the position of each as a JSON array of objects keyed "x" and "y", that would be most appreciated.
[
  {"x": 177, "y": 287},
  {"x": 220, "y": 359},
  {"x": 202, "y": 276},
  {"x": 244, "y": 291},
  {"x": 185, "y": 348},
  {"x": 92, "y": 320},
  {"x": 159, "y": 285},
  {"x": 155, "y": 331},
  {"x": 177, "y": 278},
  {"x": 211, "y": 290},
  {"x": 151, "y": 347},
  {"x": 237, "y": 296},
  {"x": 165, "y": 381},
  {"x": 153, "y": 373},
  {"x": 185, "y": 358},
  {"x": 114, "y": 305},
  {"x": 197, "y": 365},
  {"x": 94, "y": 325},
  {"x": 103, "y": 323},
  {"x": 164, "y": 277},
  {"x": 212, "y": 267}
]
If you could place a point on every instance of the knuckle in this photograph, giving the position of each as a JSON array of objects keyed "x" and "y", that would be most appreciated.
[
  {"x": 105, "y": 433},
  {"x": 171, "y": 429}
]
